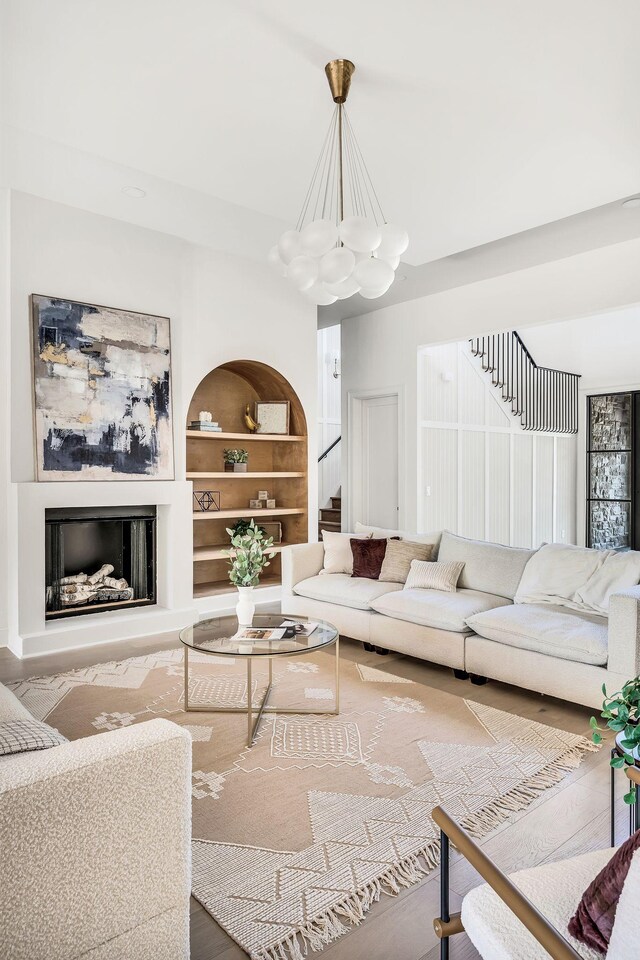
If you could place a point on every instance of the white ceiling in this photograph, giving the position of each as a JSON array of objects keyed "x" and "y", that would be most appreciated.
[{"x": 478, "y": 120}]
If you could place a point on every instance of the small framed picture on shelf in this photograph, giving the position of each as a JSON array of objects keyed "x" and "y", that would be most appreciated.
[
  {"x": 272, "y": 416},
  {"x": 204, "y": 500}
]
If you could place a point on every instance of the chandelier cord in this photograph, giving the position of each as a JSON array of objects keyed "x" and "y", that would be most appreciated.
[
  {"x": 364, "y": 169},
  {"x": 309, "y": 193}
]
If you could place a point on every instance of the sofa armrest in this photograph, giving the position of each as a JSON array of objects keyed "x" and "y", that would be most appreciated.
[
  {"x": 300, "y": 561},
  {"x": 94, "y": 839},
  {"x": 624, "y": 633}
]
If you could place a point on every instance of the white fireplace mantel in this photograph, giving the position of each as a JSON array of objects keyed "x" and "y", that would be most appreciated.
[{"x": 174, "y": 607}]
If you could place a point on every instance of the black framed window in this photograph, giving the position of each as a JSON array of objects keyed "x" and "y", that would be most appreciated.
[{"x": 611, "y": 470}]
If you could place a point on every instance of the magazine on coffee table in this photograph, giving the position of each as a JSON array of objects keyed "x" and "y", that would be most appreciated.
[
  {"x": 260, "y": 633},
  {"x": 301, "y": 629}
]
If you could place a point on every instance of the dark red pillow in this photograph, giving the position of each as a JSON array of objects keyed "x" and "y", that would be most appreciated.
[
  {"x": 367, "y": 557},
  {"x": 592, "y": 922}
]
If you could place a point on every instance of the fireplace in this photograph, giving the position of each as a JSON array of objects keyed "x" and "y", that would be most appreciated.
[{"x": 99, "y": 558}]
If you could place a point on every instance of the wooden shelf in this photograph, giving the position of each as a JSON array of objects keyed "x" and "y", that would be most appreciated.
[
  {"x": 236, "y": 514},
  {"x": 217, "y": 551},
  {"x": 258, "y": 475},
  {"x": 271, "y": 437},
  {"x": 217, "y": 587}
]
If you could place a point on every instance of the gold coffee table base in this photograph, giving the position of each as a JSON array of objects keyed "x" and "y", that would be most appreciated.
[{"x": 262, "y": 708}]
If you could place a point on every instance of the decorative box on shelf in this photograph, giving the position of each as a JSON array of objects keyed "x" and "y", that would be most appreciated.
[{"x": 273, "y": 530}]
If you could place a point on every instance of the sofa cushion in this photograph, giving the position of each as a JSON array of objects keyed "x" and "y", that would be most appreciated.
[
  {"x": 488, "y": 567},
  {"x": 366, "y": 530},
  {"x": 556, "y": 572},
  {"x": 368, "y": 554},
  {"x": 436, "y": 608},
  {"x": 338, "y": 557},
  {"x": 552, "y": 630},
  {"x": 342, "y": 588},
  {"x": 399, "y": 556},
  {"x": 10, "y": 707},
  {"x": 618, "y": 572},
  {"x": 434, "y": 576}
]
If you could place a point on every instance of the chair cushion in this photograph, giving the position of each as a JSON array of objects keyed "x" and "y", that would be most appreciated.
[
  {"x": 436, "y": 608},
  {"x": 556, "y": 572},
  {"x": 622, "y": 946},
  {"x": 26, "y": 735},
  {"x": 488, "y": 567},
  {"x": 554, "y": 888},
  {"x": 398, "y": 558},
  {"x": 342, "y": 588},
  {"x": 553, "y": 630},
  {"x": 592, "y": 923}
]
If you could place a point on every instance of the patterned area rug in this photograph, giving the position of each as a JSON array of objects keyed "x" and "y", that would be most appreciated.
[{"x": 298, "y": 836}]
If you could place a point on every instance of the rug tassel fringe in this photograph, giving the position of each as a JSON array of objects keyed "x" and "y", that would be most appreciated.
[{"x": 328, "y": 926}]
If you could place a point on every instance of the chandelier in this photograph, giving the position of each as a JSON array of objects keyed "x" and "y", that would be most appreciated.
[{"x": 342, "y": 243}]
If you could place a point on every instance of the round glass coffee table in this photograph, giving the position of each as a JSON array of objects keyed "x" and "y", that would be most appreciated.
[{"x": 219, "y": 638}]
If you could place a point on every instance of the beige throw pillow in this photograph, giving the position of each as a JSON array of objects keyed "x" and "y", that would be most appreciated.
[
  {"x": 434, "y": 576},
  {"x": 338, "y": 557},
  {"x": 398, "y": 557}
]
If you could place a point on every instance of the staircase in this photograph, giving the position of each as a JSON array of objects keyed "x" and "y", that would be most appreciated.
[
  {"x": 331, "y": 517},
  {"x": 544, "y": 399}
]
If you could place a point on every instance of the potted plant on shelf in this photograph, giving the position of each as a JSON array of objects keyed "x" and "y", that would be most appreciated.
[
  {"x": 621, "y": 710},
  {"x": 249, "y": 554},
  {"x": 235, "y": 461}
]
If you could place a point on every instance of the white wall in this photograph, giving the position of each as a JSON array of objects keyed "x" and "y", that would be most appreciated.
[
  {"x": 479, "y": 473},
  {"x": 329, "y": 418},
  {"x": 221, "y": 308},
  {"x": 380, "y": 349}
]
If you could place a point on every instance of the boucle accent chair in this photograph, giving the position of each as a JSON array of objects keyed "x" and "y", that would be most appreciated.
[
  {"x": 95, "y": 845},
  {"x": 525, "y": 916}
]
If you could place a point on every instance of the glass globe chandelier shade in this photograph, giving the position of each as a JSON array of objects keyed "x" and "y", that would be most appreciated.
[{"x": 342, "y": 243}]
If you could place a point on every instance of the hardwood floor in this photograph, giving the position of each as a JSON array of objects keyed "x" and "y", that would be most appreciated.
[{"x": 568, "y": 819}]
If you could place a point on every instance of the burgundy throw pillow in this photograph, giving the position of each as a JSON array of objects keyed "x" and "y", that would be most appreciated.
[
  {"x": 592, "y": 922},
  {"x": 367, "y": 557}
]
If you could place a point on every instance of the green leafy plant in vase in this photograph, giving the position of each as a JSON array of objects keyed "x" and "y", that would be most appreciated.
[
  {"x": 250, "y": 553},
  {"x": 235, "y": 461},
  {"x": 621, "y": 711}
]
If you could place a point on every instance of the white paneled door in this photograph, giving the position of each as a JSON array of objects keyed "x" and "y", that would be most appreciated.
[{"x": 375, "y": 493}]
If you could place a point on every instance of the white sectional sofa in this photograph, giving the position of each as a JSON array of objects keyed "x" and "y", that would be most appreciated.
[
  {"x": 95, "y": 845},
  {"x": 520, "y": 616}
]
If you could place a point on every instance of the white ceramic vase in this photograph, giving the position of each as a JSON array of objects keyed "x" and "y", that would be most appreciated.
[{"x": 245, "y": 608}]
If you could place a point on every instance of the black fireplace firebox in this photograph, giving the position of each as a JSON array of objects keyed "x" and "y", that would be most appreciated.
[{"x": 99, "y": 558}]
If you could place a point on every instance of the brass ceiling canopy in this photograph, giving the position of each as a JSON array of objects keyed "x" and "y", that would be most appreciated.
[{"x": 339, "y": 73}]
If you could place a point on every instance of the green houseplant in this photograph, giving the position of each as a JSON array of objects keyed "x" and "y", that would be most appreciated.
[
  {"x": 235, "y": 461},
  {"x": 621, "y": 711},
  {"x": 250, "y": 553}
]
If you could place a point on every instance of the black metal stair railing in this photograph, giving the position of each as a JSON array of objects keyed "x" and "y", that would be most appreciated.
[{"x": 544, "y": 399}]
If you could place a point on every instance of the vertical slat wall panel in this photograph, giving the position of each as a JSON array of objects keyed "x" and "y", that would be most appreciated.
[
  {"x": 565, "y": 531},
  {"x": 479, "y": 486},
  {"x": 440, "y": 467},
  {"x": 472, "y": 484},
  {"x": 497, "y": 492},
  {"x": 522, "y": 490},
  {"x": 544, "y": 490}
]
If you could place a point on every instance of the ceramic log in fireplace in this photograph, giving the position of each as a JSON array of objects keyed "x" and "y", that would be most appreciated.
[{"x": 99, "y": 558}]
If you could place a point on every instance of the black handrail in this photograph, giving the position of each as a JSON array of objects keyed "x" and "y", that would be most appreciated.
[
  {"x": 329, "y": 448},
  {"x": 545, "y": 399}
]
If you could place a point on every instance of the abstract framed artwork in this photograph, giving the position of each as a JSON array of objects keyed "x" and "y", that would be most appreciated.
[
  {"x": 102, "y": 392},
  {"x": 272, "y": 416}
]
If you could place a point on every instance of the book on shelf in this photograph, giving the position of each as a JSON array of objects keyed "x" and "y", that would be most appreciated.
[{"x": 205, "y": 427}]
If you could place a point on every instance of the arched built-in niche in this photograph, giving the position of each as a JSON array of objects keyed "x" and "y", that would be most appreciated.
[{"x": 277, "y": 464}]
